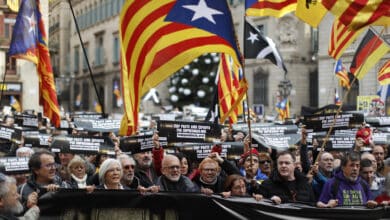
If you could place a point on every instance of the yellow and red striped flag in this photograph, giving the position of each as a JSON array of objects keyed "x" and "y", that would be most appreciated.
[
  {"x": 357, "y": 14},
  {"x": 159, "y": 37},
  {"x": 384, "y": 74},
  {"x": 29, "y": 42},
  {"x": 276, "y": 8},
  {"x": 371, "y": 49},
  {"x": 340, "y": 39},
  {"x": 231, "y": 90}
]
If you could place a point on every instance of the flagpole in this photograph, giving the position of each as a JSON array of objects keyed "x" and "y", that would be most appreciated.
[
  {"x": 2, "y": 88},
  {"x": 87, "y": 61},
  {"x": 247, "y": 97},
  {"x": 344, "y": 97}
]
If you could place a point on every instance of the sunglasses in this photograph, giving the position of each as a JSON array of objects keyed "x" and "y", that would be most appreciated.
[
  {"x": 264, "y": 161},
  {"x": 127, "y": 167}
]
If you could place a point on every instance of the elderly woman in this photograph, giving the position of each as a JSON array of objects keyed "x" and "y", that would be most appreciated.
[
  {"x": 110, "y": 174},
  {"x": 78, "y": 176},
  {"x": 235, "y": 185}
]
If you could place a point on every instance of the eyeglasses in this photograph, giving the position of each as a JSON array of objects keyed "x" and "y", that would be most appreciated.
[
  {"x": 264, "y": 161},
  {"x": 173, "y": 167},
  {"x": 127, "y": 167},
  {"x": 210, "y": 170},
  {"x": 50, "y": 165}
]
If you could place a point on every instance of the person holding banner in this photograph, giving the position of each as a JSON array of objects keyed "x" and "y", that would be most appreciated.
[
  {"x": 235, "y": 185},
  {"x": 110, "y": 174},
  {"x": 172, "y": 179},
  {"x": 43, "y": 178},
  {"x": 9, "y": 201},
  {"x": 128, "y": 165}
]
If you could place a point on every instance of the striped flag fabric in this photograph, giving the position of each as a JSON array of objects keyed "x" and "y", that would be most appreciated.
[
  {"x": 371, "y": 49},
  {"x": 342, "y": 74},
  {"x": 384, "y": 74},
  {"x": 311, "y": 13},
  {"x": 283, "y": 109},
  {"x": 337, "y": 100},
  {"x": 159, "y": 37},
  {"x": 232, "y": 88},
  {"x": 340, "y": 39},
  {"x": 15, "y": 104},
  {"x": 259, "y": 47},
  {"x": 29, "y": 41},
  {"x": 357, "y": 14},
  {"x": 275, "y": 8}
]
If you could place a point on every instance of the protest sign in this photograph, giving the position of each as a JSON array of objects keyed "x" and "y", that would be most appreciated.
[
  {"x": 324, "y": 122},
  {"x": 81, "y": 144},
  {"x": 140, "y": 143},
  {"x": 14, "y": 165},
  {"x": 98, "y": 125},
  {"x": 186, "y": 131}
]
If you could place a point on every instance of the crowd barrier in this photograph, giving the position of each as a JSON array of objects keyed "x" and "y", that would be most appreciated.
[{"x": 128, "y": 204}]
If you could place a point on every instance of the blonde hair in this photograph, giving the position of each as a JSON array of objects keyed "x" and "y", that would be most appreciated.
[{"x": 208, "y": 160}]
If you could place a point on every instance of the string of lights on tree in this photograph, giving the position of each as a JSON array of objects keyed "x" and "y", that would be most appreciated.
[{"x": 195, "y": 82}]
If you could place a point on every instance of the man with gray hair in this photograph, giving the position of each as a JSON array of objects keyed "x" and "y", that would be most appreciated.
[
  {"x": 9, "y": 201},
  {"x": 128, "y": 166},
  {"x": 378, "y": 181}
]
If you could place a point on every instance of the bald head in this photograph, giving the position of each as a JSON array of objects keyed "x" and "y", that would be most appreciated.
[{"x": 171, "y": 167}]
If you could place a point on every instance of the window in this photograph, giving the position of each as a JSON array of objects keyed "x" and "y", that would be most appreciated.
[
  {"x": 85, "y": 97},
  {"x": 76, "y": 61},
  {"x": 85, "y": 65},
  {"x": 99, "y": 51},
  {"x": 10, "y": 65},
  {"x": 115, "y": 58},
  {"x": 313, "y": 88},
  {"x": 260, "y": 88}
]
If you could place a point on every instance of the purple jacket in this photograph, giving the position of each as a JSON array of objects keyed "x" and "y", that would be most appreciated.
[{"x": 348, "y": 193}]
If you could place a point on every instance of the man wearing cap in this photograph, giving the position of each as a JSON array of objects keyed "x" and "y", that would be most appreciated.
[{"x": 250, "y": 170}]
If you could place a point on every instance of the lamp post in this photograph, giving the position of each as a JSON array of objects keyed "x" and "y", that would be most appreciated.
[{"x": 284, "y": 87}]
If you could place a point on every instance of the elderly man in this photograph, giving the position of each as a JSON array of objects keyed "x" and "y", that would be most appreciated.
[
  {"x": 9, "y": 201},
  {"x": 43, "y": 177},
  {"x": 322, "y": 173},
  {"x": 128, "y": 166},
  {"x": 346, "y": 188},
  {"x": 377, "y": 184},
  {"x": 171, "y": 178},
  {"x": 379, "y": 153},
  {"x": 286, "y": 184}
]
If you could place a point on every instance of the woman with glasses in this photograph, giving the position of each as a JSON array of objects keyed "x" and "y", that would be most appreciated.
[
  {"x": 78, "y": 176},
  {"x": 235, "y": 185}
]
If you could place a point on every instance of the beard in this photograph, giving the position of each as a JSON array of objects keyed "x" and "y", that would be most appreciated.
[{"x": 14, "y": 209}]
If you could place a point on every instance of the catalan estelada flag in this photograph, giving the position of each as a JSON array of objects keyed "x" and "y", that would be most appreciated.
[
  {"x": 337, "y": 100},
  {"x": 29, "y": 42},
  {"x": 357, "y": 14},
  {"x": 275, "y": 8},
  {"x": 340, "y": 39},
  {"x": 384, "y": 74},
  {"x": 232, "y": 88},
  {"x": 15, "y": 104},
  {"x": 283, "y": 108},
  {"x": 160, "y": 37},
  {"x": 342, "y": 74},
  {"x": 371, "y": 49}
]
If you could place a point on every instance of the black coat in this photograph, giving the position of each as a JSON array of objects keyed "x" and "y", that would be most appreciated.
[{"x": 298, "y": 190}]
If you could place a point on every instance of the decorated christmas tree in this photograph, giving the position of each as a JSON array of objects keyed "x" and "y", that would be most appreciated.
[{"x": 195, "y": 82}]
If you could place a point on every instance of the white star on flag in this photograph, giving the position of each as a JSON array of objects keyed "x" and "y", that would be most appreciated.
[
  {"x": 31, "y": 22},
  {"x": 252, "y": 37},
  {"x": 202, "y": 11}
]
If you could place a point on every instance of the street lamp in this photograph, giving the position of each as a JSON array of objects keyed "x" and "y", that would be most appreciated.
[{"x": 285, "y": 87}]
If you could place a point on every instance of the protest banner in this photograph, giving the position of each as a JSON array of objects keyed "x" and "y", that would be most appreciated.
[
  {"x": 14, "y": 165},
  {"x": 187, "y": 131}
]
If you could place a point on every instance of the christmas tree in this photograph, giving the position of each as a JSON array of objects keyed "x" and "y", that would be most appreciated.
[{"x": 195, "y": 82}]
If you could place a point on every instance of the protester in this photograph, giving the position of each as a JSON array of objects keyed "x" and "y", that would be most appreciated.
[
  {"x": 286, "y": 184},
  {"x": 384, "y": 197},
  {"x": 62, "y": 169},
  {"x": 379, "y": 152},
  {"x": 210, "y": 179},
  {"x": 367, "y": 173},
  {"x": 250, "y": 168},
  {"x": 172, "y": 179},
  {"x": 10, "y": 206},
  {"x": 265, "y": 163},
  {"x": 185, "y": 162},
  {"x": 78, "y": 175},
  {"x": 235, "y": 185},
  {"x": 22, "y": 152},
  {"x": 110, "y": 174},
  {"x": 322, "y": 173},
  {"x": 128, "y": 179},
  {"x": 43, "y": 178},
  {"x": 378, "y": 181},
  {"x": 346, "y": 188}
]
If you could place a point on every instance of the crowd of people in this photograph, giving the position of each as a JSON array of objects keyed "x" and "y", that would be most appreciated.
[{"x": 315, "y": 177}]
